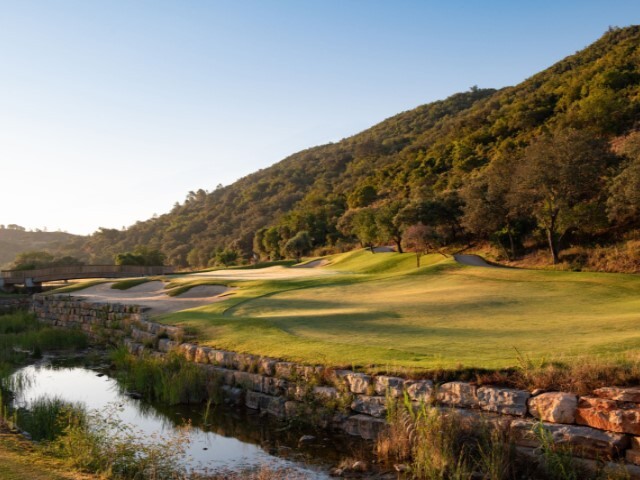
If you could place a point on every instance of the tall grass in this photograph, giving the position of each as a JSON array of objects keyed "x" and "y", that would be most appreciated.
[
  {"x": 170, "y": 379},
  {"x": 48, "y": 417},
  {"x": 437, "y": 445},
  {"x": 103, "y": 444},
  {"x": 22, "y": 337}
]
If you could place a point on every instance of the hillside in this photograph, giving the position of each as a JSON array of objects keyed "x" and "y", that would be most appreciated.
[
  {"x": 16, "y": 240},
  {"x": 444, "y": 164}
]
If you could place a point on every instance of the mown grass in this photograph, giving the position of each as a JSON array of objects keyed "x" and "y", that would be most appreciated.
[
  {"x": 75, "y": 286},
  {"x": 380, "y": 310},
  {"x": 132, "y": 282}
]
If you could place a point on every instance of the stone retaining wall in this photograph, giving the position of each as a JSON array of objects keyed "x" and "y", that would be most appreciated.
[
  {"x": 10, "y": 304},
  {"x": 604, "y": 425}
]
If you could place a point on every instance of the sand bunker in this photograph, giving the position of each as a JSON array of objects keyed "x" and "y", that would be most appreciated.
[
  {"x": 269, "y": 273},
  {"x": 314, "y": 264},
  {"x": 153, "y": 296}
]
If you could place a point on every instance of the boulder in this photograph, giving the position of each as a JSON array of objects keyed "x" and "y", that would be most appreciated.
[
  {"x": 503, "y": 400},
  {"x": 555, "y": 407},
  {"x": 608, "y": 415},
  {"x": 374, "y": 406},
  {"x": 202, "y": 354},
  {"x": 358, "y": 382},
  {"x": 627, "y": 394},
  {"x": 584, "y": 441},
  {"x": 325, "y": 393},
  {"x": 363, "y": 426},
  {"x": 392, "y": 386},
  {"x": 421, "y": 391},
  {"x": 458, "y": 394}
]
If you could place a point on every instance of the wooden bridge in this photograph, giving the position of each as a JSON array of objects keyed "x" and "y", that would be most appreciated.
[{"x": 33, "y": 279}]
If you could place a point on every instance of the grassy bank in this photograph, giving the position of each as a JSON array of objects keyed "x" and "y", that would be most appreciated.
[
  {"x": 22, "y": 337},
  {"x": 379, "y": 309}
]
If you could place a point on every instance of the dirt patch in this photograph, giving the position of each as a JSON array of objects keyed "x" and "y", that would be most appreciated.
[{"x": 153, "y": 296}]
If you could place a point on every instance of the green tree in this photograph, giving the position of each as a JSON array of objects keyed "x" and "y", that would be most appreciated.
[
  {"x": 362, "y": 196},
  {"x": 271, "y": 243},
  {"x": 32, "y": 260},
  {"x": 390, "y": 223},
  {"x": 420, "y": 239},
  {"x": 623, "y": 204},
  {"x": 298, "y": 245},
  {"x": 226, "y": 257},
  {"x": 486, "y": 212},
  {"x": 559, "y": 181}
]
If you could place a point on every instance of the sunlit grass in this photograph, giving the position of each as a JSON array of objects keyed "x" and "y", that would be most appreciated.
[{"x": 382, "y": 310}]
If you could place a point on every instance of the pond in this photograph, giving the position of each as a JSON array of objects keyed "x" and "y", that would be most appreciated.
[{"x": 231, "y": 440}]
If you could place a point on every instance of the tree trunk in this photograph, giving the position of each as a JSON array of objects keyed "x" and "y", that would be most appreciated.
[
  {"x": 418, "y": 254},
  {"x": 551, "y": 237},
  {"x": 512, "y": 245},
  {"x": 398, "y": 242}
]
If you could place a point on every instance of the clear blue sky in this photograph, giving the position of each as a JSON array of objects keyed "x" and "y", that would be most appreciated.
[{"x": 111, "y": 111}]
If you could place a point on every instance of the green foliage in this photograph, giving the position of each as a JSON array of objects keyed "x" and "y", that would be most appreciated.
[
  {"x": 31, "y": 260},
  {"x": 100, "y": 442},
  {"x": 431, "y": 157},
  {"x": 22, "y": 335},
  {"x": 141, "y": 256},
  {"x": 48, "y": 417},
  {"x": 226, "y": 257},
  {"x": 298, "y": 245},
  {"x": 170, "y": 380}
]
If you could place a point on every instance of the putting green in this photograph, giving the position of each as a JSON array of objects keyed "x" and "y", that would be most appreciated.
[{"x": 379, "y": 309}]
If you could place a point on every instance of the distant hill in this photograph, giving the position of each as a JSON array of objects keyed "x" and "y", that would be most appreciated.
[
  {"x": 17, "y": 240},
  {"x": 429, "y": 154}
]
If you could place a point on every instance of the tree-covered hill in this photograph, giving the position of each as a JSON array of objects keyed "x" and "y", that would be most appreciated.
[
  {"x": 470, "y": 167},
  {"x": 15, "y": 240}
]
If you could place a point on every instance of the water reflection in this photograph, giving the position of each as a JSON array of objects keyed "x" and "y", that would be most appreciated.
[{"x": 232, "y": 439}]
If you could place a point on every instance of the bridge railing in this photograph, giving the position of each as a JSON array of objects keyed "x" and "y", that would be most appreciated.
[{"x": 82, "y": 271}]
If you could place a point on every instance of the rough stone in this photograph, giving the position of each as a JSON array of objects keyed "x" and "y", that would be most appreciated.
[
  {"x": 233, "y": 395},
  {"x": 257, "y": 401},
  {"x": 165, "y": 345},
  {"x": 274, "y": 386},
  {"x": 363, "y": 426},
  {"x": 358, "y": 382},
  {"x": 585, "y": 441},
  {"x": 248, "y": 381},
  {"x": 267, "y": 366},
  {"x": 325, "y": 393},
  {"x": 374, "y": 406},
  {"x": 503, "y": 400},
  {"x": 627, "y": 394},
  {"x": 608, "y": 415},
  {"x": 420, "y": 391},
  {"x": 392, "y": 386},
  {"x": 285, "y": 370},
  {"x": 555, "y": 407},
  {"x": 458, "y": 394},
  {"x": 202, "y": 354},
  {"x": 189, "y": 351},
  {"x": 633, "y": 456}
]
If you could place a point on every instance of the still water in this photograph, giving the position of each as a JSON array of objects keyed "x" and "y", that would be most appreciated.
[{"x": 232, "y": 439}]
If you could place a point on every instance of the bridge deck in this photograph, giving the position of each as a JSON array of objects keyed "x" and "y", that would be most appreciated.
[{"x": 20, "y": 277}]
